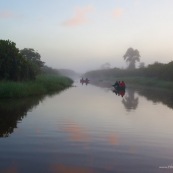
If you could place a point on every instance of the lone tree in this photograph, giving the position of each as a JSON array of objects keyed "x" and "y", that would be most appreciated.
[
  {"x": 131, "y": 56},
  {"x": 106, "y": 66}
]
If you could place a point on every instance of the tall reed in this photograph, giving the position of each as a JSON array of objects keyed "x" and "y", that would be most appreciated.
[{"x": 42, "y": 85}]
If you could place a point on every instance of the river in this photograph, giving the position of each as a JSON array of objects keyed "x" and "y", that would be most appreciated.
[{"x": 88, "y": 129}]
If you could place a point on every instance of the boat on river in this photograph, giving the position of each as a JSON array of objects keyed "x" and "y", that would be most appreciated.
[
  {"x": 119, "y": 86},
  {"x": 119, "y": 89},
  {"x": 86, "y": 81}
]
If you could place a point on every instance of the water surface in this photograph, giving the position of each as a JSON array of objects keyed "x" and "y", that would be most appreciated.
[{"x": 87, "y": 129}]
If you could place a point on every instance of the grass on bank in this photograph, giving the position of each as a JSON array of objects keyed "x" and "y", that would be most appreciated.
[
  {"x": 42, "y": 85},
  {"x": 147, "y": 82},
  {"x": 137, "y": 82}
]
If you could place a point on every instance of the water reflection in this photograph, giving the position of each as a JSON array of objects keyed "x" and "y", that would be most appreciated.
[
  {"x": 86, "y": 130},
  {"x": 119, "y": 92},
  {"x": 13, "y": 168},
  {"x": 12, "y": 111},
  {"x": 130, "y": 101},
  {"x": 70, "y": 169},
  {"x": 165, "y": 97},
  {"x": 76, "y": 132}
]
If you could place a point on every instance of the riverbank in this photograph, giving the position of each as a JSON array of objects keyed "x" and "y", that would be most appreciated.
[
  {"x": 149, "y": 82},
  {"x": 135, "y": 81},
  {"x": 43, "y": 84}
]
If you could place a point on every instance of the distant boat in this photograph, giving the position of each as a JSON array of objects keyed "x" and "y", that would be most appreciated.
[{"x": 84, "y": 81}]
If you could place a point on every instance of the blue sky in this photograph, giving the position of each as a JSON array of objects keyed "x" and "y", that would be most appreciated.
[{"x": 83, "y": 35}]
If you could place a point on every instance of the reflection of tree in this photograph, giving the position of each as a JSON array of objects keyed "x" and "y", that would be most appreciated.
[
  {"x": 130, "y": 101},
  {"x": 156, "y": 96},
  {"x": 13, "y": 111}
]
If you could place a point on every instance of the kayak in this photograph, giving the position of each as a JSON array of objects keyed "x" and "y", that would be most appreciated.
[
  {"x": 84, "y": 81},
  {"x": 119, "y": 88}
]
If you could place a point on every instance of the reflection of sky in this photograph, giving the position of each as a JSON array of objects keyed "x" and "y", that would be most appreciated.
[
  {"x": 87, "y": 127},
  {"x": 13, "y": 168},
  {"x": 152, "y": 117},
  {"x": 90, "y": 113},
  {"x": 70, "y": 169}
]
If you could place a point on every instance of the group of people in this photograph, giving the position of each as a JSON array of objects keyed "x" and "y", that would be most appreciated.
[
  {"x": 119, "y": 85},
  {"x": 119, "y": 88},
  {"x": 84, "y": 81}
]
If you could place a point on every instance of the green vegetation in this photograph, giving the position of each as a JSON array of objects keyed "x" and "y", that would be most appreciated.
[
  {"x": 34, "y": 60},
  {"x": 43, "y": 84},
  {"x": 23, "y": 74},
  {"x": 156, "y": 75},
  {"x": 147, "y": 82},
  {"x": 18, "y": 65}
]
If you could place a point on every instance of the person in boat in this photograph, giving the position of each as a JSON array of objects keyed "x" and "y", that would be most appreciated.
[
  {"x": 116, "y": 85},
  {"x": 86, "y": 80},
  {"x": 119, "y": 83},
  {"x": 123, "y": 85},
  {"x": 81, "y": 80}
]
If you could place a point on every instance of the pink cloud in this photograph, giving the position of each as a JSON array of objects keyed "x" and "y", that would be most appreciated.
[
  {"x": 70, "y": 169},
  {"x": 6, "y": 15},
  {"x": 77, "y": 133},
  {"x": 80, "y": 16},
  {"x": 118, "y": 12}
]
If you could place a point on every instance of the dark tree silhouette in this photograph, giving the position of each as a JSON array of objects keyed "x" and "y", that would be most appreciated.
[
  {"x": 106, "y": 66},
  {"x": 18, "y": 66},
  {"x": 33, "y": 58},
  {"x": 131, "y": 56},
  {"x": 9, "y": 60},
  {"x": 13, "y": 111}
]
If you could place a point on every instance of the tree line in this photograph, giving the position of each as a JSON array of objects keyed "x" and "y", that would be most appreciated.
[
  {"x": 20, "y": 65},
  {"x": 157, "y": 70}
]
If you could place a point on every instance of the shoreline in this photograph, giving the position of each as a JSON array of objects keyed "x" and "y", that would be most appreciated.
[
  {"x": 138, "y": 82},
  {"x": 43, "y": 84}
]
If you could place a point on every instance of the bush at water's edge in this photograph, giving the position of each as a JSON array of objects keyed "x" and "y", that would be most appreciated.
[{"x": 43, "y": 84}]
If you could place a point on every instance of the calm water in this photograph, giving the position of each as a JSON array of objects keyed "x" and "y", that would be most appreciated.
[{"x": 87, "y": 129}]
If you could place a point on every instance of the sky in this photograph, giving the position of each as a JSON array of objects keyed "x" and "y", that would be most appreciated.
[{"x": 83, "y": 35}]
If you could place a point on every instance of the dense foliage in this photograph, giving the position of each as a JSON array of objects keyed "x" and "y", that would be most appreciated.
[
  {"x": 18, "y": 65},
  {"x": 10, "y": 61},
  {"x": 154, "y": 71},
  {"x": 34, "y": 59},
  {"x": 49, "y": 70}
]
